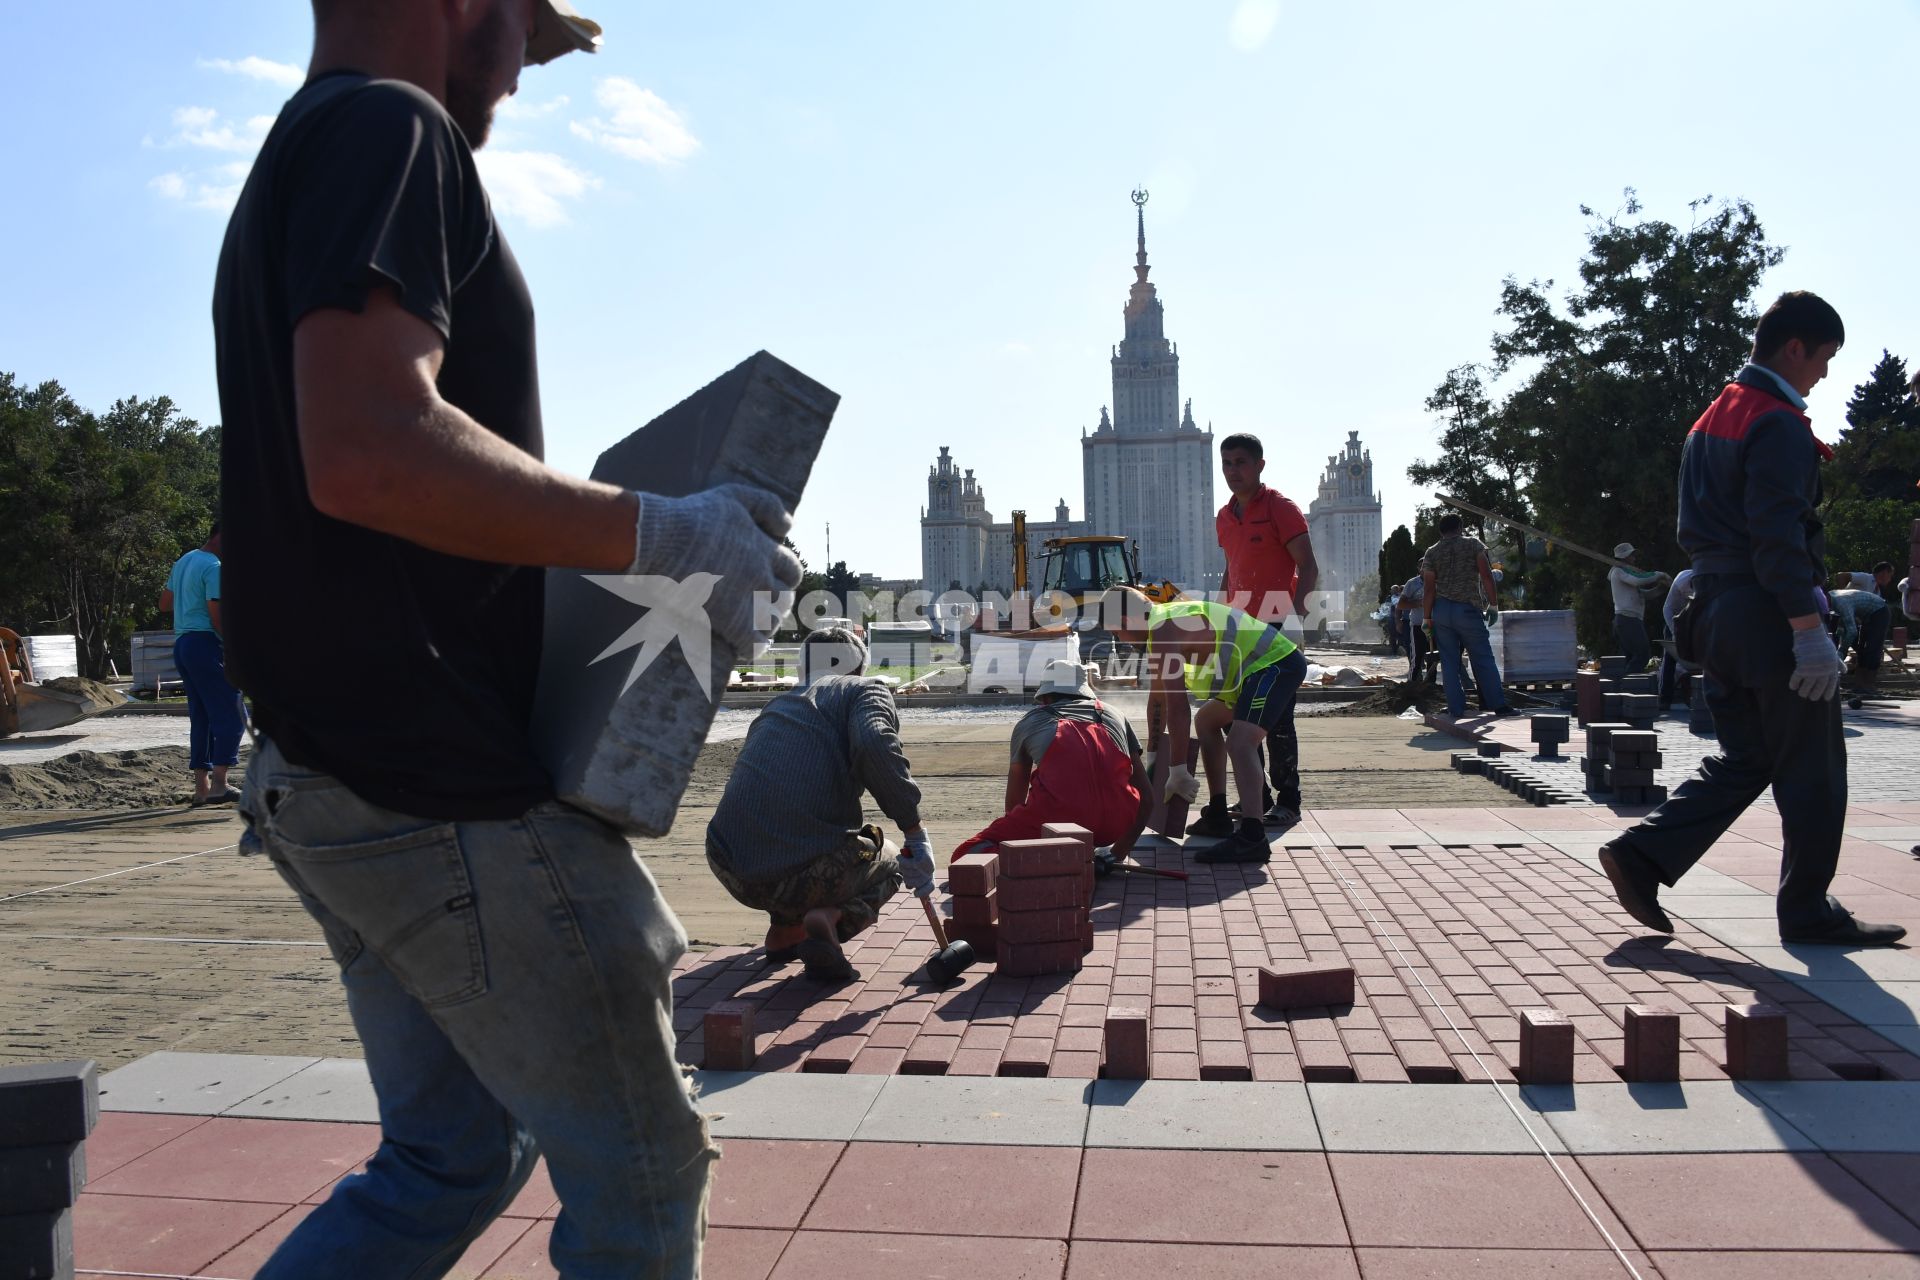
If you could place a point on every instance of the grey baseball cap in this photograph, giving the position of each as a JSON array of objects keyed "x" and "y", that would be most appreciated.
[{"x": 558, "y": 28}]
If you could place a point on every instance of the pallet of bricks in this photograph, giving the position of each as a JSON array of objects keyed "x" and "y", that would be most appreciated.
[
  {"x": 1611, "y": 694},
  {"x": 1029, "y": 904},
  {"x": 1620, "y": 760}
]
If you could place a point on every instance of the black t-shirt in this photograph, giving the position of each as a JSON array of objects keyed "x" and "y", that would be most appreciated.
[{"x": 406, "y": 673}]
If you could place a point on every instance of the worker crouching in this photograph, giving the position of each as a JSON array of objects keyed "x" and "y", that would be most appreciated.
[
  {"x": 788, "y": 839},
  {"x": 1074, "y": 760}
]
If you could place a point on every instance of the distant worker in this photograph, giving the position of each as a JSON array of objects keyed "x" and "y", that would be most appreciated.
[
  {"x": 1271, "y": 568},
  {"x": 1631, "y": 586},
  {"x": 1411, "y": 602},
  {"x": 1879, "y": 581},
  {"x": 1458, "y": 597},
  {"x": 787, "y": 838},
  {"x": 1862, "y": 619},
  {"x": 1749, "y": 493},
  {"x": 215, "y": 717},
  {"x": 1672, "y": 666},
  {"x": 1074, "y": 759},
  {"x": 1246, "y": 674}
]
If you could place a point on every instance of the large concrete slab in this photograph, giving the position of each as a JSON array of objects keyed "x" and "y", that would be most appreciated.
[
  {"x": 621, "y": 740},
  {"x": 752, "y": 1104},
  {"x": 330, "y": 1089},
  {"x": 1202, "y": 1115},
  {"x": 194, "y": 1084},
  {"x": 1881, "y": 1115},
  {"x": 1838, "y": 964},
  {"x": 1895, "y": 1004},
  {"x": 979, "y": 1109},
  {"x": 1692, "y": 1116},
  {"x": 1457, "y": 1118}
]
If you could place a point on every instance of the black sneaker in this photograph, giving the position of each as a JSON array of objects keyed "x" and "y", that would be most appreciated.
[
  {"x": 1248, "y": 843},
  {"x": 1214, "y": 820}
]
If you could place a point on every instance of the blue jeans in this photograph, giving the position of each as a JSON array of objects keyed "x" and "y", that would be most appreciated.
[
  {"x": 215, "y": 718},
  {"x": 510, "y": 981},
  {"x": 1458, "y": 626}
]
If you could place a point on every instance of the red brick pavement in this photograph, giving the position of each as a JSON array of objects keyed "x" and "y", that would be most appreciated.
[{"x": 1473, "y": 933}]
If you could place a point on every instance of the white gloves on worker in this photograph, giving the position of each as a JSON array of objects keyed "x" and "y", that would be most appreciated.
[
  {"x": 733, "y": 532},
  {"x": 1182, "y": 784},
  {"x": 1816, "y": 665},
  {"x": 916, "y": 864}
]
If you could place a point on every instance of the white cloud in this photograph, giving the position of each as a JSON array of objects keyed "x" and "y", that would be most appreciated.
[
  {"x": 283, "y": 74},
  {"x": 202, "y": 127},
  {"x": 213, "y": 189},
  {"x": 531, "y": 185},
  {"x": 514, "y": 109},
  {"x": 640, "y": 124},
  {"x": 1252, "y": 23}
]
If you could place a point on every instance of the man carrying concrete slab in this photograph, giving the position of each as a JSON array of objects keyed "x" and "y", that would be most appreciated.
[
  {"x": 787, "y": 837},
  {"x": 507, "y": 959},
  {"x": 1075, "y": 760},
  {"x": 1245, "y": 674}
]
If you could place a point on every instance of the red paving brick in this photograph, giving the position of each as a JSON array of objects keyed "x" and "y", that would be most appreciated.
[
  {"x": 1212, "y": 1197},
  {"x": 1467, "y": 1202},
  {"x": 1475, "y": 932}
]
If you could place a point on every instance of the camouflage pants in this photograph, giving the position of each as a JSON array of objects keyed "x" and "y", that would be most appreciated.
[{"x": 857, "y": 878}]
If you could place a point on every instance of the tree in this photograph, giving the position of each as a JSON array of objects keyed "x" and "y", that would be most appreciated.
[
  {"x": 1608, "y": 386},
  {"x": 1871, "y": 499},
  {"x": 1399, "y": 559},
  {"x": 99, "y": 507},
  {"x": 1484, "y": 457}
]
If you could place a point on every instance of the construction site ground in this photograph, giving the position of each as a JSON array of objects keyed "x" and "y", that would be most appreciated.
[{"x": 1383, "y": 1139}]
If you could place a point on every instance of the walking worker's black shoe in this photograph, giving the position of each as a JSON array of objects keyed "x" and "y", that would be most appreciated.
[
  {"x": 1214, "y": 820},
  {"x": 1635, "y": 884},
  {"x": 1247, "y": 844},
  {"x": 1845, "y": 931}
]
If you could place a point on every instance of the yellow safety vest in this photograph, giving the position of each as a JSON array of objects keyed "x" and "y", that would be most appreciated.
[{"x": 1242, "y": 645}]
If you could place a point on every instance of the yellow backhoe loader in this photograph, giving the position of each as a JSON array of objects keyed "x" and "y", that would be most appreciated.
[{"x": 27, "y": 706}]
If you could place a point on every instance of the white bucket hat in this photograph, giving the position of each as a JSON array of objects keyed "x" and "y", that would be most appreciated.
[
  {"x": 1065, "y": 678},
  {"x": 558, "y": 28}
]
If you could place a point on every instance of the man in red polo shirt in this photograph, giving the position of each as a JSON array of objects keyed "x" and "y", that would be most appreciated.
[{"x": 1270, "y": 566}]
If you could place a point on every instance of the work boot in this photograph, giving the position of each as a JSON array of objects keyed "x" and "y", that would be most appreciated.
[
  {"x": 1214, "y": 820},
  {"x": 1636, "y": 884},
  {"x": 1843, "y": 930},
  {"x": 1248, "y": 843}
]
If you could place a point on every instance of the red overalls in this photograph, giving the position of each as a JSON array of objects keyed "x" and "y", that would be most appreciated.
[{"x": 1084, "y": 777}]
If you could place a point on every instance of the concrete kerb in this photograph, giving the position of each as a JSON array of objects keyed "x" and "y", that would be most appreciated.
[{"x": 1693, "y": 1116}]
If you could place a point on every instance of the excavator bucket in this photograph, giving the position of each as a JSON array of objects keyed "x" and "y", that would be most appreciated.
[{"x": 33, "y": 708}]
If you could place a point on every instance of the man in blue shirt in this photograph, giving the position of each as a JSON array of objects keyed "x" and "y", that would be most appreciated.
[{"x": 214, "y": 714}]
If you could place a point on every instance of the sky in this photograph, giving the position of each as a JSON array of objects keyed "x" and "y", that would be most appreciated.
[{"x": 927, "y": 207}]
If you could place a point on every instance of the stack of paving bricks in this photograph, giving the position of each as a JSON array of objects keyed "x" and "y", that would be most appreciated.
[
  {"x": 46, "y": 1112},
  {"x": 1632, "y": 757},
  {"x": 972, "y": 885},
  {"x": 1044, "y": 892},
  {"x": 1614, "y": 694},
  {"x": 1489, "y": 763},
  {"x": 1550, "y": 733}
]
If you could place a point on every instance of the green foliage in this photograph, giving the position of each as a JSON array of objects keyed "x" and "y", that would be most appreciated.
[
  {"x": 1871, "y": 500},
  {"x": 98, "y": 508},
  {"x": 1399, "y": 560},
  {"x": 1607, "y": 384},
  {"x": 1484, "y": 453}
]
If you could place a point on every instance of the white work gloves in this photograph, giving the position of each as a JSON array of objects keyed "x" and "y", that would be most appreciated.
[
  {"x": 916, "y": 864},
  {"x": 1816, "y": 665},
  {"x": 732, "y": 532},
  {"x": 1181, "y": 783}
]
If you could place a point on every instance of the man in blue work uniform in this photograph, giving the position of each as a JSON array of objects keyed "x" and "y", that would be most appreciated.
[{"x": 1749, "y": 500}]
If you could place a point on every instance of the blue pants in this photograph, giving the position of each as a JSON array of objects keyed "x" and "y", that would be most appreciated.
[
  {"x": 215, "y": 718},
  {"x": 510, "y": 981},
  {"x": 1458, "y": 626}
]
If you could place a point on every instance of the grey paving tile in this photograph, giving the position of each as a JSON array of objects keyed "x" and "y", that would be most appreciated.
[
  {"x": 1458, "y": 1118},
  {"x": 1907, "y": 1037},
  {"x": 1696, "y": 1115},
  {"x": 978, "y": 1109},
  {"x": 1893, "y": 835},
  {"x": 1877, "y": 1004},
  {"x": 1740, "y": 933},
  {"x": 1695, "y": 907},
  {"x": 775, "y": 1104},
  {"x": 330, "y": 1089},
  {"x": 1202, "y": 1115},
  {"x": 1848, "y": 1115},
  {"x": 194, "y": 1084},
  {"x": 1837, "y": 964}
]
